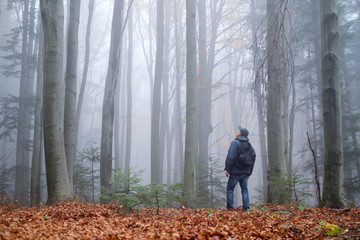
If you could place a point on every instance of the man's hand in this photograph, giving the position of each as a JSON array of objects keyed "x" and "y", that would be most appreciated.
[{"x": 227, "y": 174}]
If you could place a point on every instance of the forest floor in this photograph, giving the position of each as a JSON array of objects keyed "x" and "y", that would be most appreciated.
[{"x": 74, "y": 220}]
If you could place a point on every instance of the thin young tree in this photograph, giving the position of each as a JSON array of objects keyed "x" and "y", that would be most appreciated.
[
  {"x": 23, "y": 138},
  {"x": 259, "y": 96},
  {"x": 52, "y": 13},
  {"x": 179, "y": 154},
  {"x": 156, "y": 159},
  {"x": 190, "y": 135},
  {"x": 85, "y": 70},
  {"x": 35, "y": 186},
  {"x": 109, "y": 95},
  {"x": 71, "y": 87},
  {"x": 129, "y": 91},
  {"x": 331, "y": 102}
]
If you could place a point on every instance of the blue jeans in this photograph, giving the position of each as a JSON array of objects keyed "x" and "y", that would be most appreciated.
[{"x": 233, "y": 180}]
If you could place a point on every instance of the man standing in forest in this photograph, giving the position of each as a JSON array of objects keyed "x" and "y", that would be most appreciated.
[{"x": 238, "y": 168}]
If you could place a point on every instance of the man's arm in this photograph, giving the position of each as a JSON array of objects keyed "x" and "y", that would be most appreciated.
[
  {"x": 254, "y": 155},
  {"x": 231, "y": 156}
]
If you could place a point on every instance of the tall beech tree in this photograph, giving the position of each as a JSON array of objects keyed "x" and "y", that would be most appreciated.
[
  {"x": 156, "y": 159},
  {"x": 190, "y": 135},
  {"x": 331, "y": 102},
  {"x": 22, "y": 173},
  {"x": 109, "y": 95},
  {"x": 277, "y": 98},
  {"x": 71, "y": 87},
  {"x": 52, "y": 14}
]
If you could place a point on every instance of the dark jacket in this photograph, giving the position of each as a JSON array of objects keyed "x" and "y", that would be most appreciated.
[{"x": 237, "y": 147}]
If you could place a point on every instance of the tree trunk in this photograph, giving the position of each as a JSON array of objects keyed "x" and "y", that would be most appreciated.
[
  {"x": 109, "y": 93},
  {"x": 179, "y": 154},
  {"x": 156, "y": 158},
  {"x": 35, "y": 188},
  {"x": 204, "y": 106},
  {"x": 190, "y": 135},
  {"x": 165, "y": 140},
  {"x": 22, "y": 177},
  {"x": 277, "y": 123},
  {"x": 129, "y": 93},
  {"x": 333, "y": 149},
  {"x": 85, "y": 71},
  {"x": 71, "y": 87},
  {"x": 260, "y": 99},
  {"x": 53, "y": 105}
]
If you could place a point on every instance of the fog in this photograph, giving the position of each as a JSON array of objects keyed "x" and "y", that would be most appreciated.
[{"x": 230, "y": 40}]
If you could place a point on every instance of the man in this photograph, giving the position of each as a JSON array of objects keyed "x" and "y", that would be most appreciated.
[{"x": 237, "y": 171}]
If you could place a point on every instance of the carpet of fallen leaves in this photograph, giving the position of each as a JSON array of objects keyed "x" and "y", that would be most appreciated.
[{"x": 73, "y": 220}]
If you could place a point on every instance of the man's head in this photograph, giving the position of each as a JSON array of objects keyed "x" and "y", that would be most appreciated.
[{"x": 242, "y": 132}]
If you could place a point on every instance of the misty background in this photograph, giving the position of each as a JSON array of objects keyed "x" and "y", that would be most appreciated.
[{"x": 235, "y": 38}]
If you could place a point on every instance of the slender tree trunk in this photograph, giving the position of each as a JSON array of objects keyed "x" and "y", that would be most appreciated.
[
  {"x": 21, "y": 173},
  {"x": 204, "y": 105},
  {"x": 35, "y": 188},
  {"x": 28, "y": 66},
  {"x": 156, "y": 159},
  {"x": 165, "y": 141},
  {"x": 85, "y": 71},
  {"x": 260, "y": 100},
  {"x": 109, "y": 93},
  {"x": 277, "y": 123},
  {"x": 333, "y": 151},
  {"x": 179, "y": 157},
  {"x": 129, "y": 93},
  {"x": 190, "y": 135},
  {"x": 53, "y": 105},
  {"x": 71, "y": 87}
]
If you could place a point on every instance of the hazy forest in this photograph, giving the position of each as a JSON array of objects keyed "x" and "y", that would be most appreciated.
[{"x": 136, "y": 102}]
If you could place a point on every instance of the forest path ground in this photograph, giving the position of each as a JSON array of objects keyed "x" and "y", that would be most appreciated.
[{"x": 74, "y": 220}]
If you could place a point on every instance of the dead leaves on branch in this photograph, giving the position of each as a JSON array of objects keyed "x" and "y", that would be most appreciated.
[{"x": 72, "y": 220}]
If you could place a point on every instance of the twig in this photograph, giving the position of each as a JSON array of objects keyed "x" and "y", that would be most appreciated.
[{"x": 316, "y": 170}]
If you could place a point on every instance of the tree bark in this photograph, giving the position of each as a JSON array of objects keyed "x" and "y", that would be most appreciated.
[
  {"x": 71, "y": 87},
  {"x": 179, "y": 154},
  {"x": 53, "y": 105},
  {"x": 85, "y": 71},
  {"x": 165, "y": 140},
  {"x": 156, "y": 158},
  {"x": 22, "y": 175},
  {"x": 129, "y": 93},
  {"x": 331, "y": 102},
  {"x": 190, "y": 135},
  {"x": 277, "y": 123},
  {"x": 109, "y": 94},
  {"x": 35, "y": 187}
]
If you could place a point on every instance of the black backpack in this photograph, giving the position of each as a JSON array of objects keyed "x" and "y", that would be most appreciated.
[{"x": 246, "y": 158}]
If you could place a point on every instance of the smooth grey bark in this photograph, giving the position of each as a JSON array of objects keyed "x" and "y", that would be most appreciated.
[
  {"x": 35, "y": 186},
  {"x": 204, "y": 95},
  {"x": 165, "y": 139},
  {"x": 129, "y": 92},
  {"x": 21, "y": 151},
  {"x": 276, "y": 100},
  {"x": 52, "y": 13},
  {"x": 331, "y": 102},
  {"x": 260, "y": 100},
  {"x": 156, "y": 159},
  {"x": 85, "y": 71},
  {"x": 109, "y": 95},
  {"x": 206, "y": 67},
  {"x": 71, "y": 87},
  {"x": 22, "y": 174},
  {"x": 179, "y": 154},
  {"x": 191, "y": 73}
]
